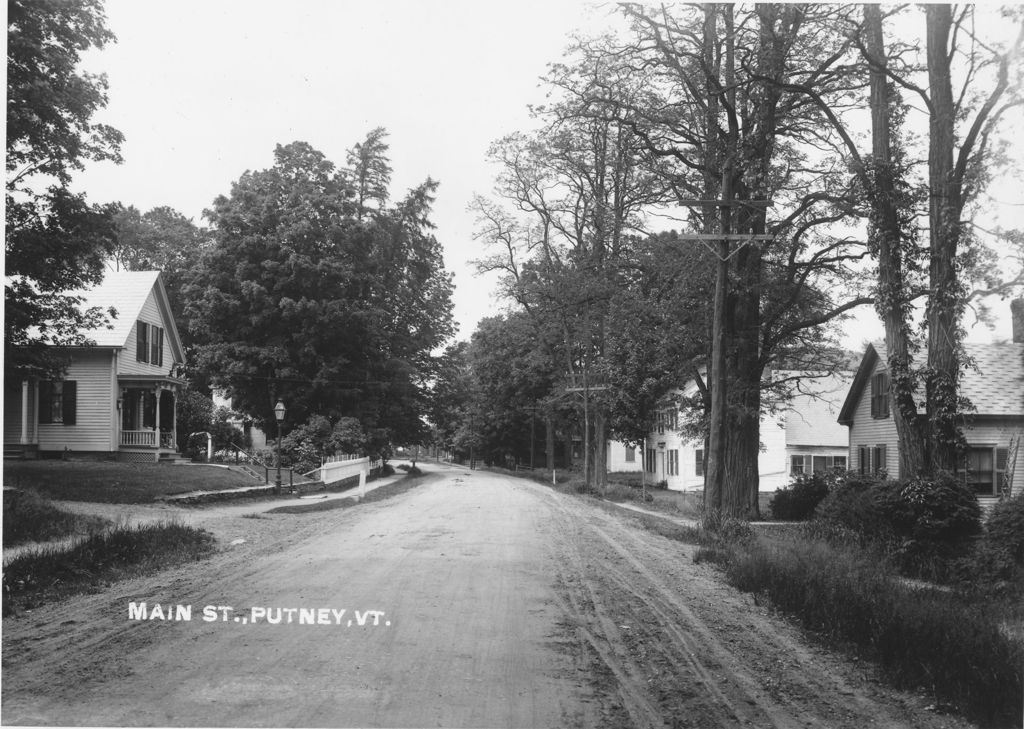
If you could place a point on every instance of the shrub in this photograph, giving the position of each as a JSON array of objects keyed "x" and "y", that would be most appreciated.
[
  {"x": 997, "y": 564},
  {"x": 1004, "y": 528},
  {"x": 925, "y": 525},
  {"x": 798, "y": 501}
]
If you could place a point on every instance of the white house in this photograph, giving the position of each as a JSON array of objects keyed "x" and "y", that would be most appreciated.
[
  {"x": 801, "y": 438},
  {"x": 119, "y": 394},
  {"x": 995, "y": 387}
]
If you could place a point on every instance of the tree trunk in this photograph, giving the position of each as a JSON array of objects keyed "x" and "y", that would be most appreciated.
[
  {"x": 714, "y": 476},
  {"x": 886, "y": 236},
  {"x": 600, "y": 451},
  {"x": 946, "y": 297}
]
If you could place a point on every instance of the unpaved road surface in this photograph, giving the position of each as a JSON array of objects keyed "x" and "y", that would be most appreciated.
[{"x": 504, "y": 604}]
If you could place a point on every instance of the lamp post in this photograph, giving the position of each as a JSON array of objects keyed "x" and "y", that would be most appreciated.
[{"x": 279, "y": 411}]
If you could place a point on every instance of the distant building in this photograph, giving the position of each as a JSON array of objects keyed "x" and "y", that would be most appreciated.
[{"x": 801, "y": 438}]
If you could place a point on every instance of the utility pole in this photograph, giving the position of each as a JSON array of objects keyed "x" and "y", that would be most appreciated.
[{"x": 715, "y": 474}]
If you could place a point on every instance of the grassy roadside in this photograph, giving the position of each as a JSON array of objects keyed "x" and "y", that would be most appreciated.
[
  {"x": 379, "y": 494},
  {"x": 30, "y": 518},
  {"x": 52, "y": 573},
  {"x": 954, "y": 644}
]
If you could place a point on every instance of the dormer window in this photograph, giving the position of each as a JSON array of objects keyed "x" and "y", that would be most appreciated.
[{"x": 149, "y": 343}]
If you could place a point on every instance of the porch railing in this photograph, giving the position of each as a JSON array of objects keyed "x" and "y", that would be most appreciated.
[{"x": 147, "y": 438}]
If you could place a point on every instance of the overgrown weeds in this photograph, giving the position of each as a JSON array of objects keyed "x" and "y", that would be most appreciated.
[
  {"x": 951, "y": 643},
  {"x": 29, "y": 517},
  {"x": 51, "y": 573}
]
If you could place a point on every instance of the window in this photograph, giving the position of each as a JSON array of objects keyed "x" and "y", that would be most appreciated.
[
  {"x": 649, "y": 461},
  {"x": 630, "y": 454},
  {"x": 984, "y": 468},
  {"x": 806, "y": 464},
  {"x": 673, "y": 462},
  {"x": 673, "y": 420},
  {"x": 661, "y": 423},
  {"x": 149, "y": 343},
  {"x": 880, "y": 396},
  {"x": 58, "y": 402},
  {"x": 872, "y": 459},
  {"x": 699, "y": 457}
]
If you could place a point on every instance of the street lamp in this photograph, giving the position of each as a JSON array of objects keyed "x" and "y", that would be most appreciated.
[{"x": 279, "y": 414}]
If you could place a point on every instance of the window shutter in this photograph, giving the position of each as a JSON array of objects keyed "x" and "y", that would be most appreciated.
[
  {"x": 45, "y": 403},
  {"x": 156, "y": 356},
  {"x": 70, "y": 402},
  {"x": 882, "y": 464},
  {"x": 141, "y": 346},
  {"x": 874, "y": 396},
  {"x": 700, "y": 461}
]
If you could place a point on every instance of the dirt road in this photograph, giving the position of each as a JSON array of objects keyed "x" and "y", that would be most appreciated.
[{"x": 498, "y": 602}]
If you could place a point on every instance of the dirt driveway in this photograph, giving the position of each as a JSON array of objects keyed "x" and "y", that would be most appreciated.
[{"x": 497, "y": 602}]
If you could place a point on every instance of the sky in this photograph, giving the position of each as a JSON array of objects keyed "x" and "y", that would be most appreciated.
[{"x": 204, "y": 90}]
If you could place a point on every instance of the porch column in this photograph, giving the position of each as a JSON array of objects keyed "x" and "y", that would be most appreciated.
[
  {"x": 157, "y": 391},
  {"x": 24, "y": 412},
  {"x": 174, "y": 417},
  {"x": 140, "y": 411}
]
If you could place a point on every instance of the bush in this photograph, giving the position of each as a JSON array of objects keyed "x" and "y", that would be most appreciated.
[
  {"x": 997, "y": 564},
  {"x": 798, "y": 501},
  {"x": 924, "y": 525}
]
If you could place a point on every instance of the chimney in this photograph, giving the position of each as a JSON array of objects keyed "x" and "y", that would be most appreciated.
[{"x": 1017, "y": 314}]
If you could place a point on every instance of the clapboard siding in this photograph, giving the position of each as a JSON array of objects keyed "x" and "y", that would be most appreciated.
[
  {"x": 869, "y": 431},
  {"x": 998, "y": 432},
  {"x": 617, "y": 462},
  {"x": 93, "y": 428},
  {"x": 128, "y": 364}
]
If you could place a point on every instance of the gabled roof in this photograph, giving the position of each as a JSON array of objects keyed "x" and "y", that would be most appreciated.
[
  {"x": 126, "y": 292},
  {"x": 811, "y": 414},
  {"x": 994, "y": 384}
]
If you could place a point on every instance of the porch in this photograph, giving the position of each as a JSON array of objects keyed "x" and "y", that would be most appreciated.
[{"x": 148, "y": 419}]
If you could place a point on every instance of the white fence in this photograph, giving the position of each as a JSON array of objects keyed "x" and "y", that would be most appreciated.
[{"x": 338, "y": 468}]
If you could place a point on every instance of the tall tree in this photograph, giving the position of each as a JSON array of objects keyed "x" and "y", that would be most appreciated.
[
  {"x": 370, "y": 171},
  {"x": 55, "y": 241},
  {"x": 714, "y": 106},
  {"x": 299, "y": 299}
]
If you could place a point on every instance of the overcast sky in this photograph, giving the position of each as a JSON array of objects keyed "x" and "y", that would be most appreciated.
[{"x": 203, "y": 90}]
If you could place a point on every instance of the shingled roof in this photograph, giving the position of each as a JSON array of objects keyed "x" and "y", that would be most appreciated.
[{"x": 994, "y": 383}]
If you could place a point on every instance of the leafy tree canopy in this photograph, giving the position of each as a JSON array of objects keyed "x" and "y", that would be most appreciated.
[
  {"x": 55, "y": 241},
  {"x": 307, "y": 297}
]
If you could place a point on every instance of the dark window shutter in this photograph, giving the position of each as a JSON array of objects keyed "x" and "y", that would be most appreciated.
[
  {"x": 70, "y": 402},
  {"x": 141, "y": 345},
  {"x": 874, "y": 396},
  {"x": 45, "y": 403},
  {"x": 884, "y": 396},
  {"x": 160, "y": 347}
]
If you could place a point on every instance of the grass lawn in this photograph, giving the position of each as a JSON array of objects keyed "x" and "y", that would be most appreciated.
[
  {"x": 30, "y": 518},
  {"x": 117, "y": 483}
]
